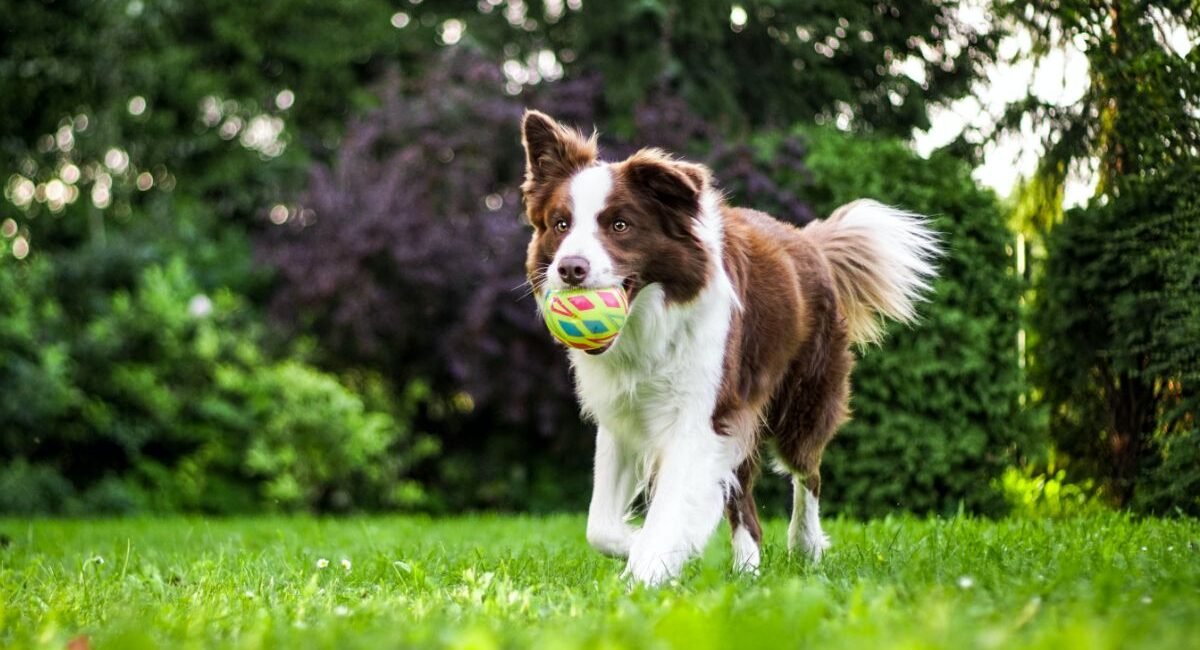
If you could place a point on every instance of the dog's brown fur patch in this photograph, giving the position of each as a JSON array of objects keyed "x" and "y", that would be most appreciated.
[
  {"x": 787, "y": 359},
  {"x": 659, "y": 199},
  {"x": 553, "y": 153}
]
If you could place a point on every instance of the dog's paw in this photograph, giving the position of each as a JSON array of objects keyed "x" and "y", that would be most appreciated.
[
  {"x": 613, "y": 539},
  {"x": 816, "y": 546},
  {"x": 746, "y": 553},
  {"x": 651, "y": 565},
  {"x": 813, "y": 543}
]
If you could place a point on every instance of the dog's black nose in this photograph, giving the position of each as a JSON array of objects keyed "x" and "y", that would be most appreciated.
[{"x": 573, "y": 270}]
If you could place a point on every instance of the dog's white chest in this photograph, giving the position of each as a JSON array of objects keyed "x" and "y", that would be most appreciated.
[{"x": 665, "y": 368}]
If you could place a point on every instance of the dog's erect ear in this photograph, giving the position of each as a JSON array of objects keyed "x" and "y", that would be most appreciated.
[
  {"x": 552, "y": 151},
  {"x": 674, "y": 187},
  {"x": 666, "y": 180}
]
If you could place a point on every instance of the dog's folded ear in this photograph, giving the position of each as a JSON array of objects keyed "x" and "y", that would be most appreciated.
[
  {"x": 552, "y": 151},
  {"x": 674, "y": 187}
]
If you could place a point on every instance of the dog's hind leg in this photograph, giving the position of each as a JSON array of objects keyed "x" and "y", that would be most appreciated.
[
  {"x": 804, "y": 530},
  {"x": 743, "y": 519},
  {"x": 805, "y": 416}
]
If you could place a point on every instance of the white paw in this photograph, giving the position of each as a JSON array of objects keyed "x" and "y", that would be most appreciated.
[
  {"x": 813, "y": 544},
  {"x": 746, "y": 554},
  {"x": 613, "y": 540},
  {"x": 816, "y": 545},
  {"x": 652, "y": 566}
]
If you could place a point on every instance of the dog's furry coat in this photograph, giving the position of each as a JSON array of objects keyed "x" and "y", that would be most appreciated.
[{"x": 739, "y": 333}]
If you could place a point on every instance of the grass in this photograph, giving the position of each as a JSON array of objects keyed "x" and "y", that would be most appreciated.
[{"x": 480, "y": 582}]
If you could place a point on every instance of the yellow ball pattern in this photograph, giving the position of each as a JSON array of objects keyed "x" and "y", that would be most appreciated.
[{"x": 586, "y": 319}]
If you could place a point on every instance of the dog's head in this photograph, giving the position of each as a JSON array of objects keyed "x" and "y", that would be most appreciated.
[{"x": 596, "y": 224}]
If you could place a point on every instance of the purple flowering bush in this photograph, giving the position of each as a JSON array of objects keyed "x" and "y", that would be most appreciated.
[{"x": 406, "y": 254}]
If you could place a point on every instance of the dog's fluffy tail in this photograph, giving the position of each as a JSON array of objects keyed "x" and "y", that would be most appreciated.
[{"x": 882, "y": 260}]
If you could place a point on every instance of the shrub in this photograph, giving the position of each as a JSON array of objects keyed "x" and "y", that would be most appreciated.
[
  {"x": 162, "y": 397},
  {"x": 1118, "y": 323},
  {"x": 936, "y": 408},
  {"x": 1032, "y": 491},
  {"x": 27, "y": 489}
]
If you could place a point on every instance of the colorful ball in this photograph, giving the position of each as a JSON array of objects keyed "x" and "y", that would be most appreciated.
[{"x": 586, "y": 319}]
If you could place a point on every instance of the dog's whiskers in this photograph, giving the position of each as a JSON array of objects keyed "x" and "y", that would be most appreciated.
[{"x": 531, "y": 284}]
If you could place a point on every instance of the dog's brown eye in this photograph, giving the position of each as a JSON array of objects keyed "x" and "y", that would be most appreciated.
[
  {"x": 561, "y": 225},
  {"x": 619, "y": 225}
]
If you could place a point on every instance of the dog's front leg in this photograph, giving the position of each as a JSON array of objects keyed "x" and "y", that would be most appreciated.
[
  {"x": 686, "y": 504},
  {"x": 614, "y": 484}
]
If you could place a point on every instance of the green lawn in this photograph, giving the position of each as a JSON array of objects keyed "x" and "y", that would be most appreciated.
[{"x": 481, "y": 582}]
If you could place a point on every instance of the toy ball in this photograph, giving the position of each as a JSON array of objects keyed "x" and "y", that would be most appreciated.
[{"x": 586, "y": 319}]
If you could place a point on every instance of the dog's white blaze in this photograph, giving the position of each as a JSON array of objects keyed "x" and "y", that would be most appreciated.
[
  {"x": 746, "y": 555},
  {"x": 589, "y": 190},
  {"x": 805, "y": 528},
  {"x": 655, "y": 391}
]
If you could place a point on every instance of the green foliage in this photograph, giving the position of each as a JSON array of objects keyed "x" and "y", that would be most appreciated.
[
  {"x": 1115, "y": 321},
  {"x": 1169, "y": 482},
  {"x": 516, "y": 582},
  {"x": 141, "y": 142},
  {"x": 936, "y": 408},
  {"x": 1118, "y": 312},
  {"x": 129, "y": 105},
  {"x": 1046, "y": 492},
  {"x": 36, "y": 369},
  {"x": 172, "y": 392},
  {"x": 30, "y": 490},
  {"x": 312, "y": 442},
  {"x": 760, "y": 62},
  {"x": 1137, "y": 114}
]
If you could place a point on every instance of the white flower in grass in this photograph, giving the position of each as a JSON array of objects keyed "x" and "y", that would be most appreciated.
[
  {"x": 345, "y": 564},
  {"x": 1146, "y": 600},
  {"x": 966, "y": 582},
  {"x": 341, "y": 610},
  {"x": 322, "y": 563}
]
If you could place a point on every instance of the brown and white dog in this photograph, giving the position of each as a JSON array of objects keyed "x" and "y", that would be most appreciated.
[{"x": 739, "y": 332}]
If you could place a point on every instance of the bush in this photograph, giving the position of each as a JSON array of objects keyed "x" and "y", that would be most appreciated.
[
  {"x": 1036, "y": 492},
  {"x": 1118, "y": 353},
  {"x": 33, "y": 489},
  {"x": 936, "y": 408},
  {"x": 311, "y": 442},
  {"x": 161, "y": 397}
]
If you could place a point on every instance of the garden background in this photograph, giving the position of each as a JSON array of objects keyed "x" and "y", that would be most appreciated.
[{"x": 268, "y": 257}]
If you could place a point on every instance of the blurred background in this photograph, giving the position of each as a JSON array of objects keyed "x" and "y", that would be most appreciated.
[{"x": 264, "y": 257}]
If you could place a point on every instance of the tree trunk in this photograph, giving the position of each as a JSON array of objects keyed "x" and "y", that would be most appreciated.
[{"x": 1131, "y": 413}]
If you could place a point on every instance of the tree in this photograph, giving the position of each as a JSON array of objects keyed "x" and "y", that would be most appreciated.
[
  {"x": 1138, "y": 116},
  {"x": 115, "y": 108},
  {"x": 870, "y": 66},
  {"x": 1114, "y": 303}
]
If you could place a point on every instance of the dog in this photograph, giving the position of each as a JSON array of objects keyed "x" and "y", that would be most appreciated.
[{"x": 739, "y": 333}]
